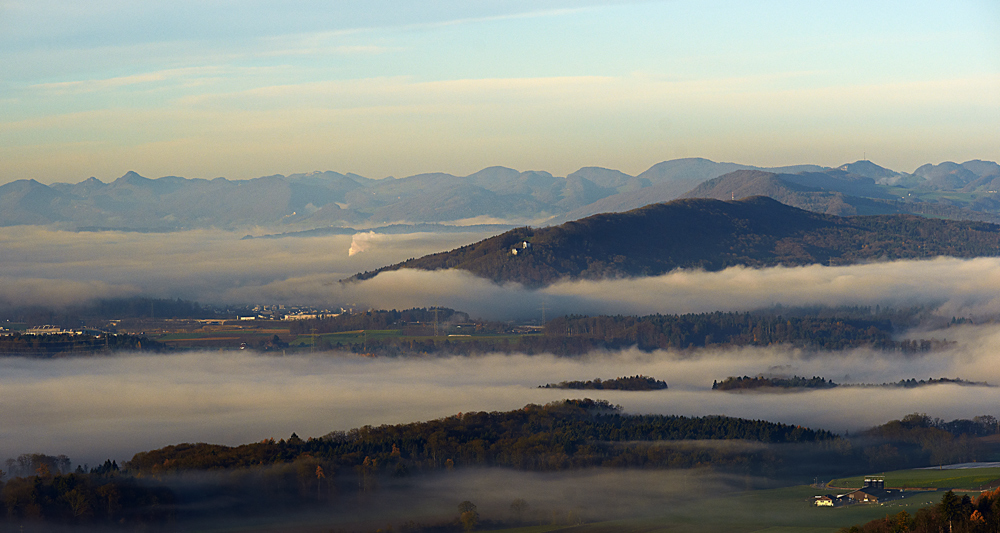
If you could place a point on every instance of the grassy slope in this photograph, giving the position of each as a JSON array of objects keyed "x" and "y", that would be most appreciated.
[
  {"x": 784, "y": 510},
  {"x": 788, "y": 509},
  {"x": 971, "y": 479}
]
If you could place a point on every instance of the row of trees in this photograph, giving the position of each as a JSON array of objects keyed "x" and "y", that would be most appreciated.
[
  {"x": 578, "y": 334},
  {"x": 815, "y": 382},
  {"x": 109, "y": 308},
  {"x": 68, "y": 344},
  {"x": 747, "y": 382},
  {"x": 913, "y": 383},
  {"x": 630, "y": 383},
  {"x": 730, "y": 329}
]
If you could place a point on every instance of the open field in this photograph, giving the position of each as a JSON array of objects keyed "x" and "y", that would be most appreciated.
[
  {"x": 783, "y": 510},
  {"x": 969, "y": 479}
]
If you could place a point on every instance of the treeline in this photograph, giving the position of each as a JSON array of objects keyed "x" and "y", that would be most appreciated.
[
  {"x": 578, "y": 334},
  {"x": 67, "y": 344},
  {"x": 732, "y": 329},
  {"x": 558, "y": 436},
  {"x": 918, "y": 439},
  {"x": 109, "y": 309},
  {"x": 574, "y": 434},
  {"x": 38, "y": 487},
  {"x": 913, "y": 383},
  {"x": 378, "y": 319},
  {"x": 141, "y": 307},
  {"x": 746, "y": 382},
  {"x": 953, "y": 514},
  {"x": 815, "y": 382},
  {"x": 980, "y": 426},
  {"x": 633, "y": 383}
]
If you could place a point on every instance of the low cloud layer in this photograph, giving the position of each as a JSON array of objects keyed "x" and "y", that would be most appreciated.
[
  {"x": 954, "y": 287},
  {"x": 44, "y": 267},
  {"x": 47, "y": 267},
  {"x": 97, "y": 408}
]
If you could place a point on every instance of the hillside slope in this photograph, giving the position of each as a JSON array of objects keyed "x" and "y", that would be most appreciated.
[{"x": 708, "y": 234}]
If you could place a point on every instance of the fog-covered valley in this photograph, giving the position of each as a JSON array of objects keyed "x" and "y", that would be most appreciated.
[
  {"x": 115, "y": 406},
  {"x": 96, "y": 408},
  {"x": 111, "y": 407}
]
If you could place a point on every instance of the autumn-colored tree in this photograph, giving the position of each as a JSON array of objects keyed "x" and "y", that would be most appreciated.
[
  {"x": 319, "y": 479},
  {"x": 469, "y": 515}
]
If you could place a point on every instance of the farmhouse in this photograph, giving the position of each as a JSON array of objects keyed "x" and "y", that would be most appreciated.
[
  {"x": 824, "y": 501},
  {"x": 873, "y": 491},
  {"x": 869, "y": 495}
]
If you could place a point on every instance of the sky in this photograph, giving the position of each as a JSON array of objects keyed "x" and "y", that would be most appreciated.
[{"x": 242, "y": 89}]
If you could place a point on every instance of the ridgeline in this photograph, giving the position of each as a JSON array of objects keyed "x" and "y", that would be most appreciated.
[{"x": 704, "y": 234}]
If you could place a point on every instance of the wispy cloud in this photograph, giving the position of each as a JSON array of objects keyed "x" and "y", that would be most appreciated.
[{"x": 80, "y": 86}]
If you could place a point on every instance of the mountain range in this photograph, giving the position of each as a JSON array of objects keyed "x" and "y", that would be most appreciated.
[
  {"x": 707, "y": 234},
  {"x": 495, "y": 195}
]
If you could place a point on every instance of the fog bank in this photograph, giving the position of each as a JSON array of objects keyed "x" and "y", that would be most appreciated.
[
  {"x": 48, "y": 267},
  {"x": 111, "y": 407}
]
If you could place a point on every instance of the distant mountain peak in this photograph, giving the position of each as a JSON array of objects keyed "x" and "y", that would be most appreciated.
[
  {"x": 132, "y": 177},
  {"x": 867, "y": 169}
]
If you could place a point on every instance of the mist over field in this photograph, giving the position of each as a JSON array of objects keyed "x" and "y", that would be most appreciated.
[{"x": 111, "y": 407}]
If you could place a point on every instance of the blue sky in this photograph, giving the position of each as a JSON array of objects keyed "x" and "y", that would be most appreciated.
[{"x": 249, "y": 88}]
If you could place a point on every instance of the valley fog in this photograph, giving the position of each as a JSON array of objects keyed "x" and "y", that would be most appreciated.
[
  {"x": 92, "y": 409},
  {"x": 54, "y": 268}
]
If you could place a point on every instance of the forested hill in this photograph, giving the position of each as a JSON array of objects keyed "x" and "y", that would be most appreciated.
[
  {"x": 708, "y": 234},
  {"x": 557, "y": 436}
]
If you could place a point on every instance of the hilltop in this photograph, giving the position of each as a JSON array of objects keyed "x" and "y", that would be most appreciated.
[{"x": 707, "y": 234}]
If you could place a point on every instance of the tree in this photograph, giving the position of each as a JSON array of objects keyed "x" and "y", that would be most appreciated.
[
  {"x": 110, "y": 495},
  {"x": 469, "y": 516},
  {"x": 950, "y": 507},
  {"x": 78, "y": 501},
  {"x": 517, "y": 509},
  {"x": 319, "y": 479}
]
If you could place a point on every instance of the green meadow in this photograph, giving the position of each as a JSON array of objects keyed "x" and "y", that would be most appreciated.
[
  {"x": 783, "y": 510},
  {"x": 968, "y": 479}
]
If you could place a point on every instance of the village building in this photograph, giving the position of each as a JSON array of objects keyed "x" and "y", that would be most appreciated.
[
  {"x": 873, "y": 491},
  {"x": 50, "y": 330},
  {"x": 824, "y": 501}
]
